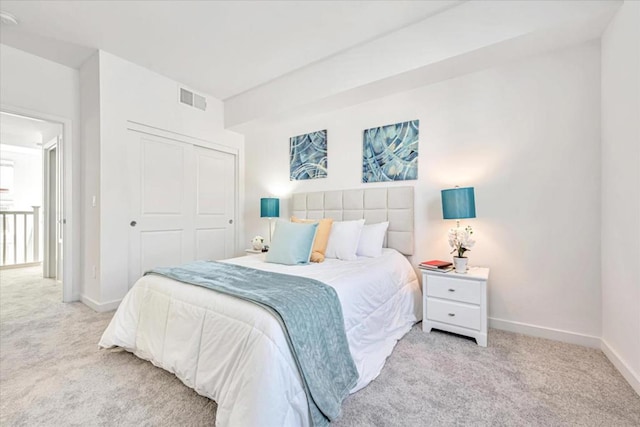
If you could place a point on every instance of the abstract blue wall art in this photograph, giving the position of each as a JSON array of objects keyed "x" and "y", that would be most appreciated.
[
  {"x": 308, "y": 156},
  {"x": 390, "y": 153}
]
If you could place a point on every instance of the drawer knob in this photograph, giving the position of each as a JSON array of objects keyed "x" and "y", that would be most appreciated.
[
  {"x": 452, "y": 314},
  {"x": 452, "y": 290}
]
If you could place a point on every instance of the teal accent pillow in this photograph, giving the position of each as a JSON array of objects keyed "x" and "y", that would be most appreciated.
[{"x": 292, "y": 243}]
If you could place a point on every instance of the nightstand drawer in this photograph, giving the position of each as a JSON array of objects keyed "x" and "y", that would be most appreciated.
[
  {"x": 464, "y": 315},
  {"x": 454, "y": 289}
]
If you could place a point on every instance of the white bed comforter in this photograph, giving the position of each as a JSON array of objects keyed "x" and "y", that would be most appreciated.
[{"x": 236, "y": 353}]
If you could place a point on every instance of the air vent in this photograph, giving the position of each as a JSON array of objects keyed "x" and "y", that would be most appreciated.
[
  {"x": 199, "y": 102},
  {"x": 186, "y": 97},
  {"x": 193, "y": 99}
]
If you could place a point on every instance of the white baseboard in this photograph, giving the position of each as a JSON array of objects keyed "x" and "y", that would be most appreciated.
[
  {"x": 544, "y": 332},
  {"x": 100, "y": 307},
  {"x": 632, "y": 378}
]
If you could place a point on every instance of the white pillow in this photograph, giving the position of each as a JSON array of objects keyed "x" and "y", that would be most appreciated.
[
  {"x": 343, "y": 240},
  {"x": 372, "y": 239}
]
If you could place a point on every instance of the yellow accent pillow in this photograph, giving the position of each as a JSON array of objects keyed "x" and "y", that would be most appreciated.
[{"x": 322, "y": 236}]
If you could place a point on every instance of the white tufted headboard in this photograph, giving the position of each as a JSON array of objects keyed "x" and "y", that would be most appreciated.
[{"x": 393, "y": 204}]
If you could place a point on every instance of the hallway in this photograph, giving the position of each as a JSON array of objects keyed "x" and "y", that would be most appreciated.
[{"x": 28, "y": 293}]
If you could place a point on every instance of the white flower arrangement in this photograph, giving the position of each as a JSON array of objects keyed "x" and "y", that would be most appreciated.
[{"x": 460, "y": 240}]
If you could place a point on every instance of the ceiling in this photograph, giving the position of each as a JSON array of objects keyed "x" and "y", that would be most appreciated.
[
  {"x": 24, "y": 131},
  {"x": 223, "y": 48},
  {"x": 271, "y": 58},
  {"x": 471, "y": 36}
]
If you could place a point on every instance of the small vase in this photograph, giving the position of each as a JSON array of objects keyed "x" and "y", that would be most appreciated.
[{"x": 460, "y": 264}]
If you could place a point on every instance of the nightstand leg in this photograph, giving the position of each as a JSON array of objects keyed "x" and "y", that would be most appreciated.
[
  {"x": 425, "y": 327},
  {"x": 481, "y": 339}
]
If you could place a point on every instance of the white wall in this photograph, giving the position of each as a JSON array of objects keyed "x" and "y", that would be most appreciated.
[
  {"x": 27, "y": 175},
  {"x": 527, "y": 137},
  {"x": 28, "y": 82},
  {"x": 27, "y": 181},
  {"x": 27, "y": 78},
  {"x": 130, "y": 92},
  {"x": 90, "y": 127},
  {"x": 621, "y": 192}
]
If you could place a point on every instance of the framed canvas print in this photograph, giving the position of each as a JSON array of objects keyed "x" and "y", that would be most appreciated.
[
  {"x": 308, "y": 156},
  {"x": 390, "y": 153}
]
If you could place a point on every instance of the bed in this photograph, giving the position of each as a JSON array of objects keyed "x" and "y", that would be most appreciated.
[{"x": 237, "y": 354}]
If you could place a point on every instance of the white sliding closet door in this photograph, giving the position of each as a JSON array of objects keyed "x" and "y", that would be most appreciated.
[
  {"x": 215, "y": 202},
  {"x": 182, "y": 201}
]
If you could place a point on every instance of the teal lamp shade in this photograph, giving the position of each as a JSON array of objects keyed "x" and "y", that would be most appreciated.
[
  {"x": 458, "y": 203},
  {"x": 269, "y": 207}
]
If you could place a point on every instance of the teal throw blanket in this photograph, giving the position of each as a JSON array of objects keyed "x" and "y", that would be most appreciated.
[{"x": 312, "y": 320}]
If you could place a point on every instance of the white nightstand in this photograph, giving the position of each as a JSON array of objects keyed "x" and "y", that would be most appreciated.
[
  {"x": 252, "y": 251},
  {"x": 456, "y": 302}
]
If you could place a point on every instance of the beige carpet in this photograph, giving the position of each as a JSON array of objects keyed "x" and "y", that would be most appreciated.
[{"x": 52, "y": 373}]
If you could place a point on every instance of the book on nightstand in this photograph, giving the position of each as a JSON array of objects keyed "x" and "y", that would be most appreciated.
[{"x": 437, "y": 265}]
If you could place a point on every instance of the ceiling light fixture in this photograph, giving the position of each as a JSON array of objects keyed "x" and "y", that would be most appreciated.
[{"x": 7, "y": 19}]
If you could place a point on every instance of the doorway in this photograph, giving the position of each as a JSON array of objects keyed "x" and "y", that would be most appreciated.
[{"x": 31, "y": 199}]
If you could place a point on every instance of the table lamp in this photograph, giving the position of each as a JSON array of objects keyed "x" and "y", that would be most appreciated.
[
  {"x": 269, "y": 208},
  {"x": 458, "y": 203}
]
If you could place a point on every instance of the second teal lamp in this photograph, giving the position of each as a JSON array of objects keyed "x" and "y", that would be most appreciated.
[{"x": 458, "y": 203}]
